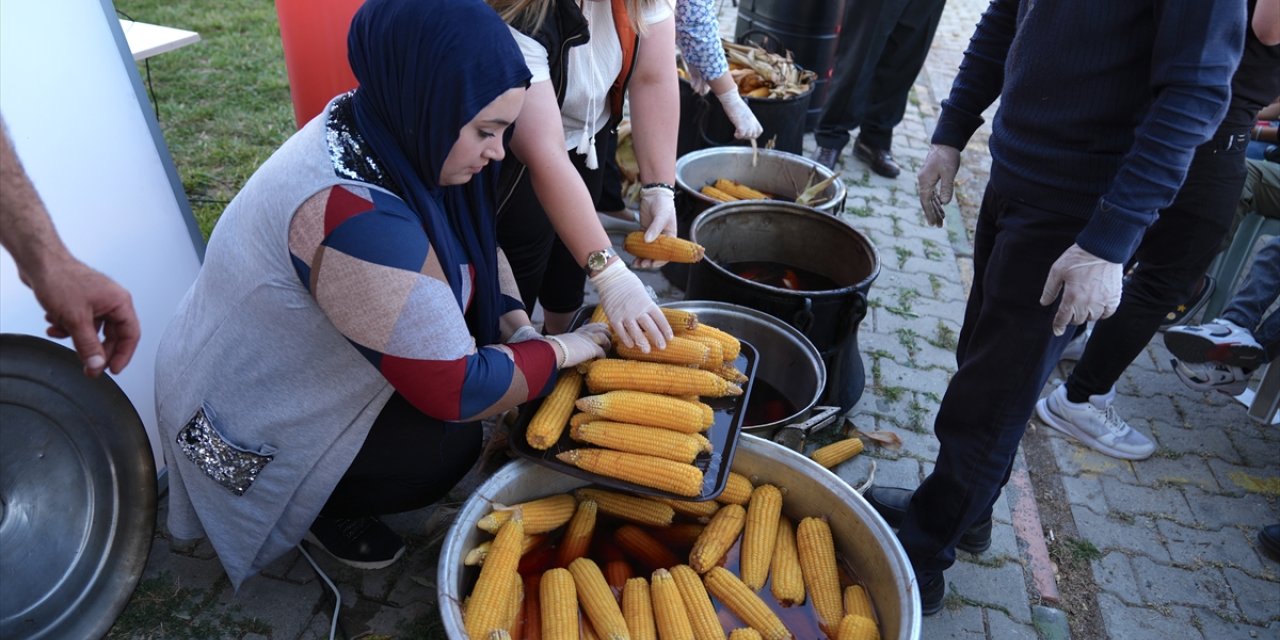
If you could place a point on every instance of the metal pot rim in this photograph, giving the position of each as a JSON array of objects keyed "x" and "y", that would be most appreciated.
[{"x": 683, "y": 161}]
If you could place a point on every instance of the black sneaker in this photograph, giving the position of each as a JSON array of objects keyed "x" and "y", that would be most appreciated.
[
  {"x": 891, "y": 503},
  {"x": 1182, "y": 312},
  {"x": 932, "y": 593},
  {"x": 363, "y": 543}
]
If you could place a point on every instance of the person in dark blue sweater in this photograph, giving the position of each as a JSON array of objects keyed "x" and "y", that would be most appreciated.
[{"x": 1102, "y": 105}]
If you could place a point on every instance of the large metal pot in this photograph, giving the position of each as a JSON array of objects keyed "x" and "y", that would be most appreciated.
[{"x": 862, "y": 538}]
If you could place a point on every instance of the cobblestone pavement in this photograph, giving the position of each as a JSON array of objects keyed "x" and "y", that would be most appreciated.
[{"x": 1169, "y": 542}]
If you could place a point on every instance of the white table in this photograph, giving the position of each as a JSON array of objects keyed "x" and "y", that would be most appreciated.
[{"x": 146, "y": 40}]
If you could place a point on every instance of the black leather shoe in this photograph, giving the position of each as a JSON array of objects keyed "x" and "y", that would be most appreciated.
[
  {"x": 1269, "y": 541},
  {"x": 880, "y": 160},
  {"x": 932, "y": 593},
  {"x": 891, "y": 503},
  {"x": 827, "y": 157},
  {"x": 363, "y": 543}
]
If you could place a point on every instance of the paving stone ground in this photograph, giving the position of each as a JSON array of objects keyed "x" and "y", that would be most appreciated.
[{"x": 1170, "y": 541}]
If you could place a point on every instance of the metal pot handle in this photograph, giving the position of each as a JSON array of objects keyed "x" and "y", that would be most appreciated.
[{"x": 793, "y": 436}]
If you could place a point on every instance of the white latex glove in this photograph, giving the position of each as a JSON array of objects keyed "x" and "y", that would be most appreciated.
[
  {"x": 746, "y": 126},
  {"x": 634, "y": 316},
  {"x": 696, "y": 81},
  {"x": 523, "y": 334},
  {"x": 1090, "y": 288},
  {"x": 937, "y": 181},
  {"x": 587, "y": 342},
  {"x": 657, "y": 217}
]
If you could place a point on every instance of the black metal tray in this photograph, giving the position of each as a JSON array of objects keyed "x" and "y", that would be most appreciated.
[{"x": 723, "y": 434}]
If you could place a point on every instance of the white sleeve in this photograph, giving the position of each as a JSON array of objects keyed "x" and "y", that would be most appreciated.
[
  {"x": 658, "y": 11},
  {"x": 535, "y": 56}
]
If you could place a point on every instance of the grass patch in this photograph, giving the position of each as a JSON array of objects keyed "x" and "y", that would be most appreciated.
[
  {"x": 935, "y": 283},
  {"x": 904, "y": 254},
  {"x": 224, "y": 101},
  {"x": 864, "y": 211},
  {"x": 932, "y": 250},
  {"x": 944, "y": 337}
]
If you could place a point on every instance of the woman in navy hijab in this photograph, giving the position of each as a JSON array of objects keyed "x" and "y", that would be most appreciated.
[{"x": 353, "y": 319}]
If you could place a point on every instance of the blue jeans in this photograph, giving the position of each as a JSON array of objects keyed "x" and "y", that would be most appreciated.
[
  {"x": 1005, "y": 353},
  {"x": 1259, "y": 289}
]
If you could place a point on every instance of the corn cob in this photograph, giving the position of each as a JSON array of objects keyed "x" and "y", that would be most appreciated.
[
  {"x": 597, "y": 600},
  {"x": 727, "y": 588},
  {"x": 644, "y": 548},
  {"x": 855, "y": 627},
  {"x": 679, "y": 536},
  {"x": 668, "y": 608},
  {"x": 548, "y": 422},
  {"x": 745, "y": 633},
  {"x": 730, "y": 373},
  {"x": 739, "y": 190},
  {"x": 582, "y": 418},
  {"x": 577, "y": 536},
  {"x": 476, "y": 556},
  {"x": 837, "y": 452},
  {"x": 613, "y": 374},
  {"x": 716, "y": 194},
  {"x": 540, "y": 516},
  {"x": 499, "y": 634},
  {"x": 631, "y": 508},
  {"x": 635, "y": 438},
  {"x": 700, "y": 511},
  {"x": 788, "y": 583},
  {"x": 533, "y": 607},
  {"x": 716, "y": 539},
  {"x": 588, "y": 631},
  {"x": 737, "y": 490},
  {"x": 715, "y": 357},
  {"x": 704, "y": 443},
  {"x": 821, "y": 578},
  {"x": 732, "y": 347},
  {"x": 760, "y": 534},
  {"x": 679, "y": 351},
  {"x": 647, "y": 471},
  {"x": 637, "y": 608},
  {"x": 669, "y": 248},
  {"x": 598, "y": 315},
  {"x": 559, "y": 599},
  {"x": 511, "y": 617},
  {"x": 679, "y": 319},
  {"x": 617, "y": 573},
  {"x": 702, "y": 614},
  {"x": 650, "y": 409},
  {"x": 690, "y": 398},
  {"x": 857, "y": 602},
  {"x": 489, "y": 600}
]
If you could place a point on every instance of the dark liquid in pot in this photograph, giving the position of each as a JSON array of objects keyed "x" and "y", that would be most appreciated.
[
  {"x": 766, "y": 405},
  {"x": 776, "y": 274}
]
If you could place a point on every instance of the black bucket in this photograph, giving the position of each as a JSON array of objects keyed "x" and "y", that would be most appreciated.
[
  {"x": 801, "y": 238},
  {"x": 782, "y": 174},
  {"x": 809, "y": 29},
  {"x": 704, "y": 124}
]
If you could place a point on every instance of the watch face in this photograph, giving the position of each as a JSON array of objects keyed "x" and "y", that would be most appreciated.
[{"x": 597, "y": 259}]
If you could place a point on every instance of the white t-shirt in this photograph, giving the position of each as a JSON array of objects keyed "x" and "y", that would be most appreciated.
[{"x": 592, "y": 68}]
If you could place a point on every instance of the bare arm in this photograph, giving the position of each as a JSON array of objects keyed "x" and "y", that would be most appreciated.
[
  {"x": 77, "y": 300},
  {"x": 654, "y": 95},
  {"x": 1266, "y": 22}
]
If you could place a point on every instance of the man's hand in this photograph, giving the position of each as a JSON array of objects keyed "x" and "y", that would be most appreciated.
[
  {"x": 635, "y": 317},
  {"x": 79, "y": 301},
  {"x": 937, "y": 181},
  {"x": 1090, "y": 288}
]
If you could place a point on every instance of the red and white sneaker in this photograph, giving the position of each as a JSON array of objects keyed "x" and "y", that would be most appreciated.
[
  {"x": 1220, "y": 341},
  {"x": 1211, "y": 376}
]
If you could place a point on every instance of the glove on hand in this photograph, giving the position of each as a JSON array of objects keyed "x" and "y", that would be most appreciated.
[
  {"x": 1090, "y": 288},
  {"x": 657, "y": 217},
  {"x": 634, "y": 316},
  {"x": 936, "y": 181},
  {"x": 746, "y": 126},
  {"x": 523, "y": 334},
  {"x": 696, "y": 81},
  {"x": 587, "y": 342}
]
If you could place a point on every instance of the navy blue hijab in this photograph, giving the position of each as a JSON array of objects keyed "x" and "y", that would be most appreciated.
[{"x": 425, "y": 68}]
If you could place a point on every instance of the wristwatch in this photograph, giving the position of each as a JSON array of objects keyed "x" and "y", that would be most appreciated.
[{"x": 596, "y": 260}]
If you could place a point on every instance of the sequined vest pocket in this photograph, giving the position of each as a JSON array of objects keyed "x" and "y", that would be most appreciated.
[{"x": 232, "y": 466}]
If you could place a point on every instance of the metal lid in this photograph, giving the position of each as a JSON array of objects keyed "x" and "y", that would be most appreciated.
[{"x": 77, "y": 494}]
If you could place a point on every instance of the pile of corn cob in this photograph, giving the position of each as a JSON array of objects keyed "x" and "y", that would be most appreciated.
[
  {"x": 538, "y": 580},
  {"x": 644, "y": 413},
  {"x": 763, "y": 75},
  {"x": 725, "y": 190}
]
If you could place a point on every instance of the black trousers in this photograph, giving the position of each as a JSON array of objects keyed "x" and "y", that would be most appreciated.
[
  {"x": 1005, "y": 352},
  {"x": 543, "y": 267},
  {"x": 883, "y": 45},
  {"x": 1174, "y": 253},
  {"x": 408, "y": 461}
]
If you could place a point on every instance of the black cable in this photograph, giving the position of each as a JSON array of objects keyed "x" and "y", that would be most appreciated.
[{"x": 146, "y": 64}]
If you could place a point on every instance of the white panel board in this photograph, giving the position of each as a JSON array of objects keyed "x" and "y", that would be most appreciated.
[{"x": 71, "y": 96}]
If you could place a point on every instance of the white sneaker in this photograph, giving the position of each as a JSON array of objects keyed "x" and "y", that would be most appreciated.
[
  {"x": 1095, "y": 423},
  {"x": 1211, "y": 376},
  {"x": 1075, "y": 349},
  {"x": 1218, "y": 340}
]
